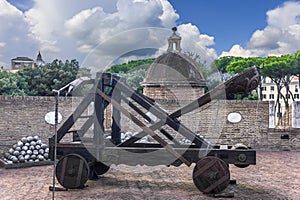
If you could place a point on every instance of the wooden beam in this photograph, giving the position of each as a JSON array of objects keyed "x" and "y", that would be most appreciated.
[{"x": 144, "y": 127}]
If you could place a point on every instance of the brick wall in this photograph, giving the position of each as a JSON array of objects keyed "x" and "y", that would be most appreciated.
[
  {"x": 23, "y": 116},
  {"x": 175, "y": 93},
  {"x": 211, "y": 121}
]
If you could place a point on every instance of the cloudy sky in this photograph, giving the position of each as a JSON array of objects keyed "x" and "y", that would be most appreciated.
[{"x": 98, "y": 32}]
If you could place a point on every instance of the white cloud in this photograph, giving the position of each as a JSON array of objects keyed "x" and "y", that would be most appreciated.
[
  {"x": 266, "y": 38},
  {"x": 74, "y": 27},
  {"x": 285, "y": 16},
  {"x": 280, "y": 36},
  {"x": 96, "y": 32},
  {"x": 47, "y": 19},
  {"x": 194, "y": 41},
  {"x": 111, "y": 30},
  {"x": 169, "y": 16},
  {"x": 93, "y": 25},
  {"x": 7, "y": 10},
  {"x": 239, "y": 51},
  {"x": 2, "y": 44},
  {"x": 13, "y": 33}
]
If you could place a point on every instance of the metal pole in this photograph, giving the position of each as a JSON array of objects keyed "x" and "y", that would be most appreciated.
[{"x": 55, "y": 140}]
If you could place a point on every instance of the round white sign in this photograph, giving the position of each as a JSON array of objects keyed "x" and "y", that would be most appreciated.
[
  {"x": 50, "y": 118},
  {"x": 234, "y": 117}
]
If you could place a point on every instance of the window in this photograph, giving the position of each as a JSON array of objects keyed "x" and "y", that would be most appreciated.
[
  {"x": 272, "y": 88},
  {"x": 263, "y": 88},
  {"x": 296, "y": 96},
  {"x": 264, "y": 96},
  {"x": 271, "y": 96},
  {"x": 288, "y": 96},
  {"x": 264, "y": 79},
  {"x": 296, "y": 88}
]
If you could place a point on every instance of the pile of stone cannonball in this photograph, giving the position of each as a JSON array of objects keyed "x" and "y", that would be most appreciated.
[{"x": 28, "y": 149}]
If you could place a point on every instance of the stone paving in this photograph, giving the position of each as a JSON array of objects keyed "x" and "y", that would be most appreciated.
[{"x": 276, "y": 176}]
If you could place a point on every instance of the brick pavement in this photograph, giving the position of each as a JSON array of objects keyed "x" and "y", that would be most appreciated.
[{"x": 276, "y": 176}]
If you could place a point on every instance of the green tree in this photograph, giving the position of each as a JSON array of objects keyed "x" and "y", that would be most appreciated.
[
  {"x": 84, "y": 72},
  {"x": 281, "y": 70},
  {"x": 133, "y": 71},
  {"x": 126, "y": 67},
  {"x": 297, "y": 58},
  {"x": 242, "y": 64},
  {"x": 12, "y": 84},
  {"x": 42, "y": 80},
  {"x": 222, "y": 62}
]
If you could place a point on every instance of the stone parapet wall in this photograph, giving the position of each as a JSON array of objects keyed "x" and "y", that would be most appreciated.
[
  {"x": 281, "y": 139},
  {"x": 23, "y": 116},
  {"x": 211, "y": 121},
  {"x": 174, "y": 93}
]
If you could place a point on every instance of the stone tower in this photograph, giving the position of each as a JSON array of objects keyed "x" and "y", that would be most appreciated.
[{"x": 39, "y": 60}]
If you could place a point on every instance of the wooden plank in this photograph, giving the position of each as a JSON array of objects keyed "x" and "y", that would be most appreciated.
[
  {"x": 144, "y": 127},
  {"x": 191, "y": 154},
  {"x": 85, "y": 127},
  {"x": 72, "y": 118},
  {"x": 162, "y": 115},
  {"x": 170, "y": 137},
  {"x": 99, "y": 107},
  {"x": 215, "y": 184},
  {"x": 72, "y": 171},
  {"x": 6, "y": 165},
  {"x": 206, "y": 167},
  {"x": 211, "y": 174},
  {"x": 116, "y": 119},
  {"x": 136, "y": 109}
]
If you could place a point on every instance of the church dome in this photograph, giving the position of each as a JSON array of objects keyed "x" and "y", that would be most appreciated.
[
  {"x": 174, "y": 68},
  {"x": 174, "y": 76}
]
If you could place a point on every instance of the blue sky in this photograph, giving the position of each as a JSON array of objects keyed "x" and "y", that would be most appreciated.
[
  {"x": 230, "y": 21},
  {"x": 67, "y": 29},
  {"x": 23, "y": 5}
]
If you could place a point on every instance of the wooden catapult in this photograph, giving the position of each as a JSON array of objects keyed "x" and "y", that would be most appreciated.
[{"x": 85, "y": 157}]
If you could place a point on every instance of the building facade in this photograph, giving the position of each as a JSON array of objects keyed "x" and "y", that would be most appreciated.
[
  {"x": 23, "y": 62},
  {"x": 269, "y": 93}
]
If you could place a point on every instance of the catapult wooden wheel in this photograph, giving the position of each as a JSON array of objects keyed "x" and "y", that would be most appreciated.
[
  {"x": 211, "y": 175},
  {"x": 72, "y": 171}
]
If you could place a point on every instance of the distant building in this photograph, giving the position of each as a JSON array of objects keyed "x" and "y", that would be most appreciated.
[
  {"x": 22, "y": 62},
  {"x": 269, "y": 90},
  {"x": 39, "y": 60},
  {"x": 269, "y": 93}
]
